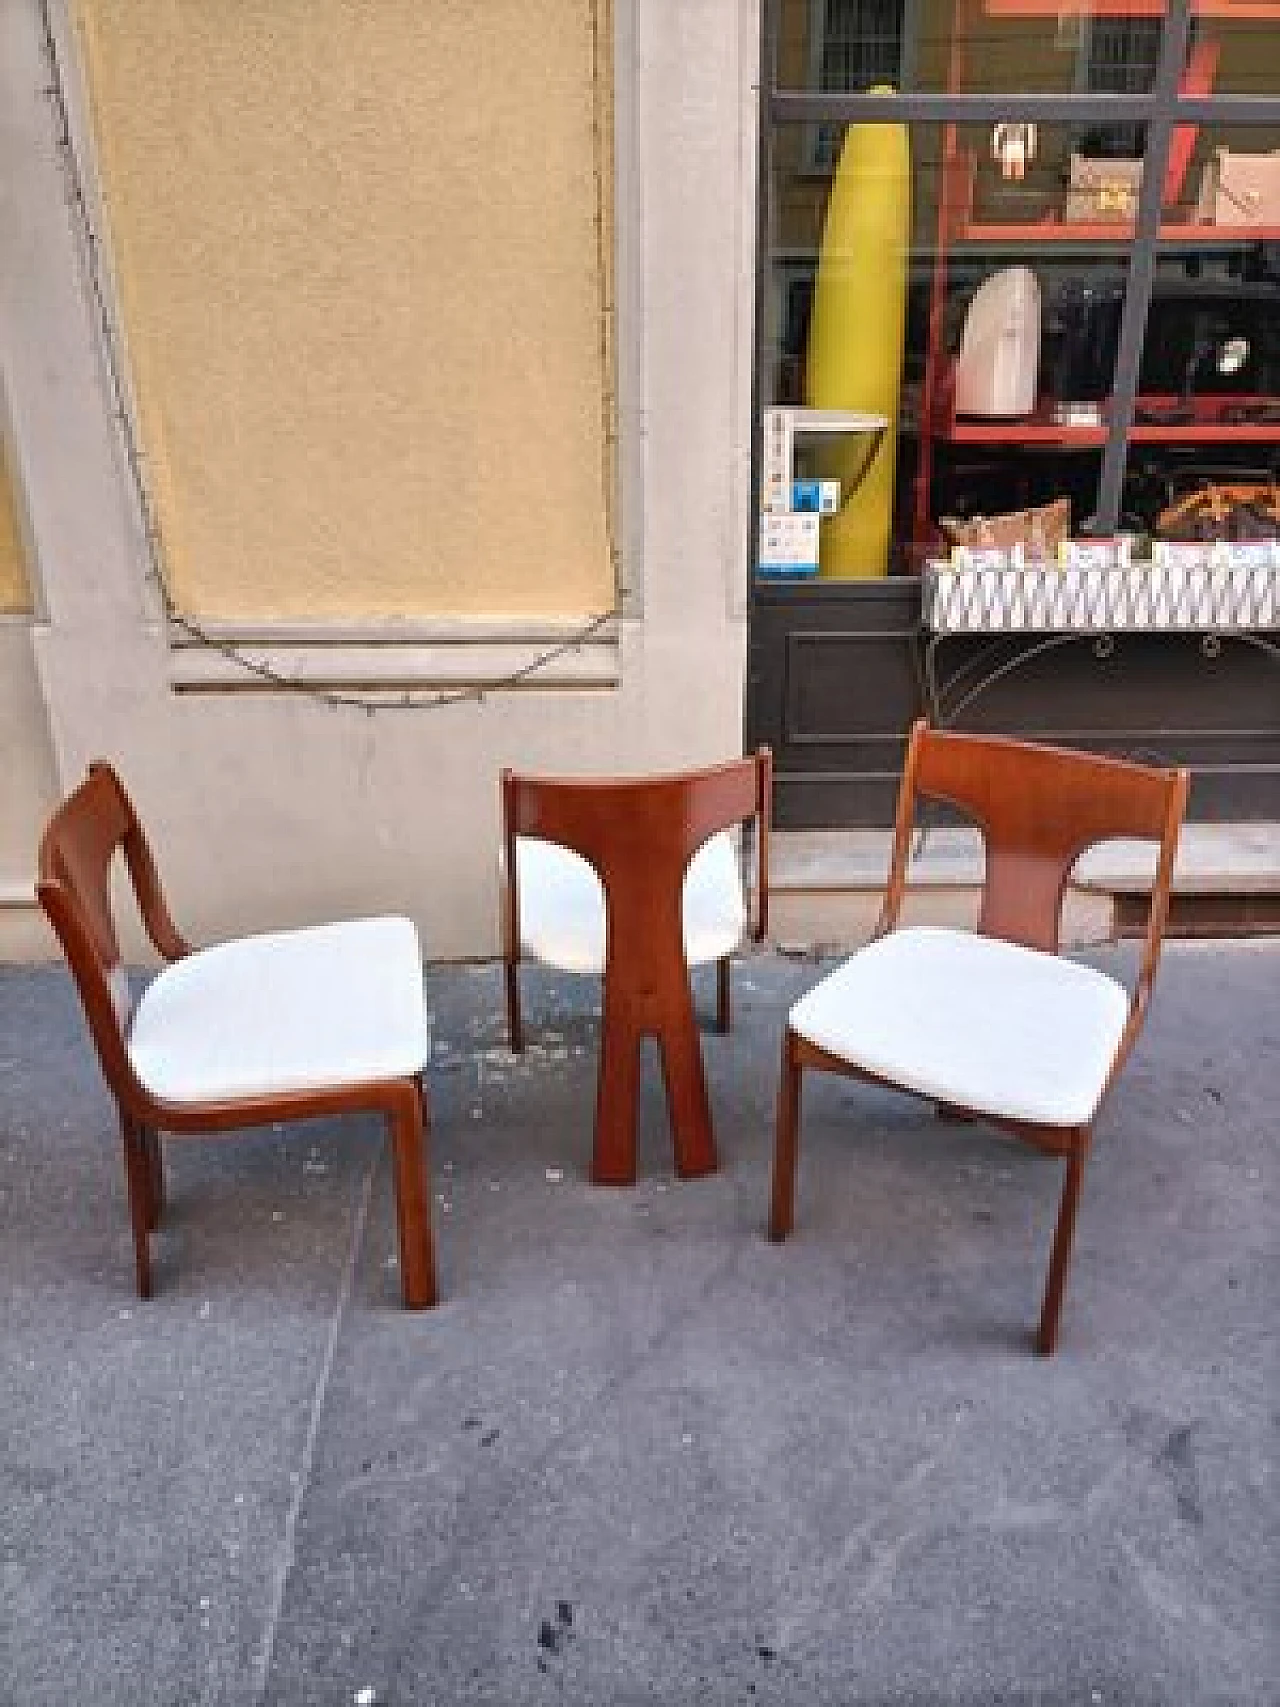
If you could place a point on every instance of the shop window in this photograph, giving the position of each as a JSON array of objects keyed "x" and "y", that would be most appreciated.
[
  {"x": 981, "y": 319},
  {"x": 1010, "y": 400}
]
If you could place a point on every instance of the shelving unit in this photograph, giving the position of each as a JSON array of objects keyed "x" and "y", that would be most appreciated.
[
  {"x": 960, "y": 230},
  {"x": 1037, "y": 430},
  {"x": 1186, "y": 233}
]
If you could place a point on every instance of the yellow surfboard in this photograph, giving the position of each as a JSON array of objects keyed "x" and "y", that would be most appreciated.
[{"x": 856, "y": 335}]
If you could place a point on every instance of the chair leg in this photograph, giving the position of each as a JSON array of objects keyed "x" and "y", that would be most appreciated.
[
  {"x": 155, "y": 1173},
  {"x": 515, "y": 1025},
  {"x": 142, "y": 1211},
  {"x": 786, "y": 1144},
  {"x": 1051, "y": 1310},
  {"x": 687, "y": 1099},
  {"x": 413, "y": 1220},
  {"x": 613, "y": 1159},
  {"x": 724, "y": 1015}
]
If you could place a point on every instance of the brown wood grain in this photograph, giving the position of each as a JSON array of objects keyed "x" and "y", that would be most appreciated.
[
  {"x": 1038, "y": 809},
  {"x": 77, "y": 850},
  {"x": 639, "y": 835}
]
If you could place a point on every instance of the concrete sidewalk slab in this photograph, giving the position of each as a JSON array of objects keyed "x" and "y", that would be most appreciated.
[{"x": 639, "y": 1454}]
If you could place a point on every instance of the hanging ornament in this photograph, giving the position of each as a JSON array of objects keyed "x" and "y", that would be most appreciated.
[{"x": 1013, "y": 146}]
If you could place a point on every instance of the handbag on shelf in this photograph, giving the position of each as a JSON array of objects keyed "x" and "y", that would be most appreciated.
[
  {"x": 1240, "y": 189},
  {"x": 1231, "y": 510},
  {"x": 1102, "y": 192},
  {"x": 1038, "y": 531}
]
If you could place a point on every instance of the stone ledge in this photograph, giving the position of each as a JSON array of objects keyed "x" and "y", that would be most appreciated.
[{"x": 1212, "y": 858}]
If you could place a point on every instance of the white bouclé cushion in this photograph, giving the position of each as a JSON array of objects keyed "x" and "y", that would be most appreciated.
[
  {"x": 972, "y": 1020},
  {"x": 562, "y": 905},
  {"x": 309, "y": 1009}
]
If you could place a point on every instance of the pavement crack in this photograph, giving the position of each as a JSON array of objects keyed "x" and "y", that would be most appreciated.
[{"x": 301, "y": 1477}]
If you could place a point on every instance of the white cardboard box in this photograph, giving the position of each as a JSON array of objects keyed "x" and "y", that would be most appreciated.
[{"x": 789, "y": 544}]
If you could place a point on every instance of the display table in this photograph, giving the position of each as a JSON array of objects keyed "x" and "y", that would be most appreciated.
[{"x": 1047, "y": 606}]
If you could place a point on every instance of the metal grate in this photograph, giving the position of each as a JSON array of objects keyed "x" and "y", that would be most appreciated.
[
  {"x": 1122, "y": 55},
  {"x": 861, "y": 43},
  {"x": 1196, "y": 598},
  {"x": 1122, "y": 58}
]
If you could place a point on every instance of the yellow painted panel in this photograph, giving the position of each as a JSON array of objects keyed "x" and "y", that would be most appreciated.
[
  {"x": 359, "y": 251},
  {"x": 15, "y": 589}
]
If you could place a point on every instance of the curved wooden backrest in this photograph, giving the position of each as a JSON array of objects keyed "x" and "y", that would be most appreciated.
[
  {"x": 77, "y": 852},
  {"x": 1038, "y": 808},
  {"x": 641, "y": 825}
]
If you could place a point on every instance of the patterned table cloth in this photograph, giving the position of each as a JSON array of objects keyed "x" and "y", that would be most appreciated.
[{"x": 1197, "y": 598}]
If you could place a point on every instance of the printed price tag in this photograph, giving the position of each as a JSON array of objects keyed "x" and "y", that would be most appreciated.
[
  {"x": 779, "y": 455},
  {"x": 1245, "y": 554},
  {"x": 1096, "y": 553},
  {"x": 1179, "y": 554},
  {"x": 981, "y": 557}
]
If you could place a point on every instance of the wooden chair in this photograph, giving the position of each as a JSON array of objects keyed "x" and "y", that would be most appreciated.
[
  {"x": 318, "y": 1021},
  {"x": 638, "y": 880},
  {"x": 994, "y": 1025}
]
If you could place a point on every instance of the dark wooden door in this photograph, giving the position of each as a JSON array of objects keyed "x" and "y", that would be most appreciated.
[{"x": 837, "y": 672}]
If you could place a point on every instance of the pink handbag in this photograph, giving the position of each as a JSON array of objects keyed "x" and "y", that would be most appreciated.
[{"x": 1240, "y": 189}]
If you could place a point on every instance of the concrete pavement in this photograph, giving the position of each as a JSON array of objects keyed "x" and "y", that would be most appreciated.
[{"x": 639, "y": 1454}]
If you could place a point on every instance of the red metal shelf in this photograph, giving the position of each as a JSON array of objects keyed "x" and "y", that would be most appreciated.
[
  {"x": 1041, "y": 429},
  {"x": 1054, "y": 230}
]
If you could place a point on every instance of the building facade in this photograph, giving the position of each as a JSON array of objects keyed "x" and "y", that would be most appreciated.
[
  {"x": 430, "y": 329},
  {"x": 392, "y": 394}
]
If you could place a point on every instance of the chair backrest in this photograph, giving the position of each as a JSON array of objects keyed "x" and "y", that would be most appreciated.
[
  {"x": 645, "y": 823},
  {"x": 1038, "y": 808},
  {"x": 77, "y": 852}
]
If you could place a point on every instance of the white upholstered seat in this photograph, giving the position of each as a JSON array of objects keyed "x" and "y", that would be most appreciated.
[
  {"x": 974, "y": 1021},
  {"x": 324, "y": 1006},
  {"x": 562, "y": 917}
]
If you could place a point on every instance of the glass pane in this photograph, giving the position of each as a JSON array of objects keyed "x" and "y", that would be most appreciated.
[
  {"x": 1208, "y": 410},
  {"x": 1222, "y": 185},
  {"x": 915, "y": 282},
  {"x": 931, "y": 46},
  {"x": 1242, "y": 47}
]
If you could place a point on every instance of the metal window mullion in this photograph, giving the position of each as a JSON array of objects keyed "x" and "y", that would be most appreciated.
[
  {"x": 1227, "y": 109},
  {"x": 818, "y": 107},
  {"x": 1142, "y": 267}
]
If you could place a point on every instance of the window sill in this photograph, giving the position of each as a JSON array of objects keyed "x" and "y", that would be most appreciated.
[{"x": 395, "y": 657}]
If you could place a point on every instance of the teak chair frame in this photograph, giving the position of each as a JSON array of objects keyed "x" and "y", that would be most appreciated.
[
  {"x": 76, "y": 855},
  {"x": 639, "y": 834},
  {"x": 1038, "y": 809}
]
